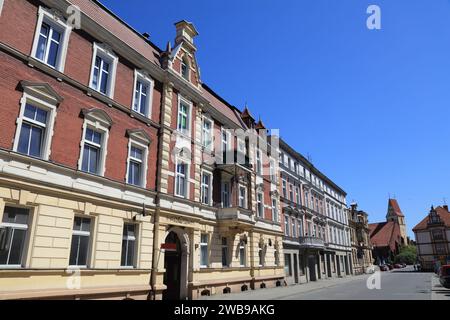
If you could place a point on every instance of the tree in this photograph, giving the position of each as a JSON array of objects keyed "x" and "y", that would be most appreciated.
[{"x": 407, "y": 254}]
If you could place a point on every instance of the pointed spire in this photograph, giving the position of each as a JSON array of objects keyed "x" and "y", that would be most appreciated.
[
  {"x": 260, "y": 124},
  {"x": 169, "y": 47}
]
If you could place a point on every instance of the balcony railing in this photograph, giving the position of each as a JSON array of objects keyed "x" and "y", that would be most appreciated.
[{"x": 311, "y": 242}]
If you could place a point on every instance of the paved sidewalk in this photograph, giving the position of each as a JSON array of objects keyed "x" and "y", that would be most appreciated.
[{"x": 283, "y": 292}]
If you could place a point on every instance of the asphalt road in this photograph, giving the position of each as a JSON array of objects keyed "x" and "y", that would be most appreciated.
[{"x": 403, "y": 284}]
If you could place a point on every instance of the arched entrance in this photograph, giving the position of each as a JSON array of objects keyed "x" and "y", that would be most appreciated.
[{"x": 176, "y": 264}]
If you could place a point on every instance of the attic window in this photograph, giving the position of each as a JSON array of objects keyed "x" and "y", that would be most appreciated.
[{"x": 185, "y": 68}]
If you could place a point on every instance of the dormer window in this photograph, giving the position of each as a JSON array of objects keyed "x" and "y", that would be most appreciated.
[{"x": 185, "y": 69}]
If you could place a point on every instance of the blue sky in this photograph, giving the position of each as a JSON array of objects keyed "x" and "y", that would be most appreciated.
[{"x": 371, "y": 107}]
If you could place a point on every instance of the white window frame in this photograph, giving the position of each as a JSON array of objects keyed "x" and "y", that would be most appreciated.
[
  {"x": 18, "y": 226},
  {"x": 51, "y": 115},
  {"x": 258, "y": 162},
  {"x": 298, "y": 195},
  {"x": 185, "y": 61},
  {"x": 209, "y": 147},
  {"x": 261, "y": 257},
  {"x": 294, "y": 227},
  {"x": 273, "y": 175},
  {"x": 142, "y": 77},
  {"x": 284, "y": 187},
  {"x": 242, "y": 254},
  {"x": 144, "y": 162},
  {"x": 66, "y": 29},
  {"x": 96, "y": 126},
  {"x": 186, "y": 178},
  {"x": 106, "y": 54},
  {"x": 203, "y": 186},
  {"x": 275, "y": 213},
  {"x": 260, "y": 214},
  {"x": 188, "y": 103},
  {"x": 244, "y": 199},
  {"x": 227, "y": 193},
  {"x": 202, "y": 245},
  {"x": 1, "y": 7},
  {"x": 82, "y": 233},
  {"x": 130, "y": 238},
  {"x": 287, "y": 225}
]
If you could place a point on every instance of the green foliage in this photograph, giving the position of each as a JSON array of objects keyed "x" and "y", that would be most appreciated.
[{"x": 408, "y": 255}]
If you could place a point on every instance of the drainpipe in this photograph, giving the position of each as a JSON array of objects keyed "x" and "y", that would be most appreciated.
[{"x": 156, "y": 250}]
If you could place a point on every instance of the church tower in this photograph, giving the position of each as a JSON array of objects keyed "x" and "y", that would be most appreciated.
[{"x": 395, "y": 214}]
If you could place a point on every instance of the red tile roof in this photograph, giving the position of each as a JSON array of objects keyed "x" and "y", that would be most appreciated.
[
  {"x": 395, "y": 207},
  {"x": 442, "y": 213},
  {"x": 118, "y": 28},
  {"x": 385, "y": 234}
]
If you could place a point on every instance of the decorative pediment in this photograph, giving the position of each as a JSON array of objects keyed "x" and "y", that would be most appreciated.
[
  {"x": 140, "y": 135},
  {"x": 42, "y": 91},
  {"x": 97, "y": 115},
  {"x": 275, "y": 193},
  {"x": 260, "y": 187}
]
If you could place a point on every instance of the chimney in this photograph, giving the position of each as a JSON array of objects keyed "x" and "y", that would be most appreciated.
[
  {"x": 445, "y": 207},
  {"x": 186, "y": 32}
]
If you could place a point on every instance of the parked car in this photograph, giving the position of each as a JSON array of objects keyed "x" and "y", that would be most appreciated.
[
  {"x": 398, "y": 266},
  {"x": 444, "y": 276},
  {"x": 403, "y": 265},
  {"x": 390, "y": 266},
  {"x": 384, "y": 268}
]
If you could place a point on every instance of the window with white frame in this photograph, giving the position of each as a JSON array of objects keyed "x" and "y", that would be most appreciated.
[
  {"x": 294, "y": 228},
  {"x": 226, "y": 146},
  {"x": 297, "y": 194},
  {"x": 273, "y": 176},
  {"x": 286, "y": 225},
  {"x": 275, "y": 215},
  {"x": 142, "y": 98},
  {"x": 226, "y": 195},
  {"x": 51, "y": 40},
  {"x": 204, "y": 250},
  {"x": 184, "y": 117},
  {"x": 258, "y": 162},
  {"x": 128, "y": 258},
  {"x": 206, "y": 188},
  {"x": 260, "y": 204},
  {"x": 81, "y": 234},
  {"x": 137, "y": 164},
  {"x": 300, "y": 227},
  {"x": 225, "y": 252},
  {"x": 13, "y": 235},
  {"x": 276, "y": 254},
  {"x": 181, "y": 178},
  {"x": 242, "y": 258},
  {"x": 103, "y": 70},
  {"x": 242, "y": 149},
  {"x": 284, "y": 188},
  {"x": 185, "y": 70},
  {"x": 92, "y": 149},
  {"x": 207, "y": 136},
  {"x": 291, "y": 192},
  {"x": 243, "y": 197}
]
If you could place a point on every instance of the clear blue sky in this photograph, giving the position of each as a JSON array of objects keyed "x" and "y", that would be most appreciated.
[{"x": 371, "y": 107}]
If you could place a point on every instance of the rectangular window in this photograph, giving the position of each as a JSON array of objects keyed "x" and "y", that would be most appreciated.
[
  {"x": 286, "y": 226},
  {"x": 297, "y": 194},
  {"x": 135, "y": 166},
  {"x": 142, "y": 94},
  {"x": 33, "y": 131},
  {"x": 226, "y": 195},
  {"x": 206, "y": 188},
  {"x": 204, "y": 250},
  {"x": 260, "y": 205},
  {"x": 258, "y": 162},
  {"x": 49, "y": 44},
  {"x": 294, "y": 228},
  {"x": 284, "y": 187},
  {"x": 242, "y": 260},
  {"x": 261, "y": 255},
  {"x": 181, "y": 179},
  {"x": 273, "y": 176},
  {"x": 243, "y": 197},
  {"x": 437, "y": 235},
  {"x": 80, "y": 242},
  {"x": 224, "y": 252},
  {"x": 128, "y": 245},
  {"x": 275, "y": 210},
  {"x": 92, "y": 151},
  {"x": 13, "y": 234},
  {"x": 102, "y": 75},
  {"x": 300, "y": 228},
  {"x": 291, "y": 192},
  {"x": 183, "y": 118},
  {"x": 287, "y": 264},
  {"x": 207, "y": 134}
]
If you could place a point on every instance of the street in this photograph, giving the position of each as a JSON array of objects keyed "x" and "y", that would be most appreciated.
[{"x": 401, "y": 284}]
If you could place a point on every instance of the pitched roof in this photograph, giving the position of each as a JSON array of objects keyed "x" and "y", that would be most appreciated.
[
  {"x": 443, "y": 214},
  {"x": 107, "y": 19},
  {"x": 385, "y": 234},
  {"x": 393, "y": 204}
]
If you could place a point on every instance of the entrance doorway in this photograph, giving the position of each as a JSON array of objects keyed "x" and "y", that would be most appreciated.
[
  {"x": 295, "y": 268},
  {"x": 312, "y": 268},
  {"x": 172, "y": 264}
]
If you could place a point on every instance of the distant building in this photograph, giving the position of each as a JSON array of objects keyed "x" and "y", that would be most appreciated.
[
  {"x": 360, "y": 239},
  {"x": 387, "y": 237},
  {"x": 433, "y": 238}
]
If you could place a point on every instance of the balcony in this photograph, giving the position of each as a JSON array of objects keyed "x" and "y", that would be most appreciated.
[
  {"x": 311, "y": 242},
  {"x": 235, "y": 214}
]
